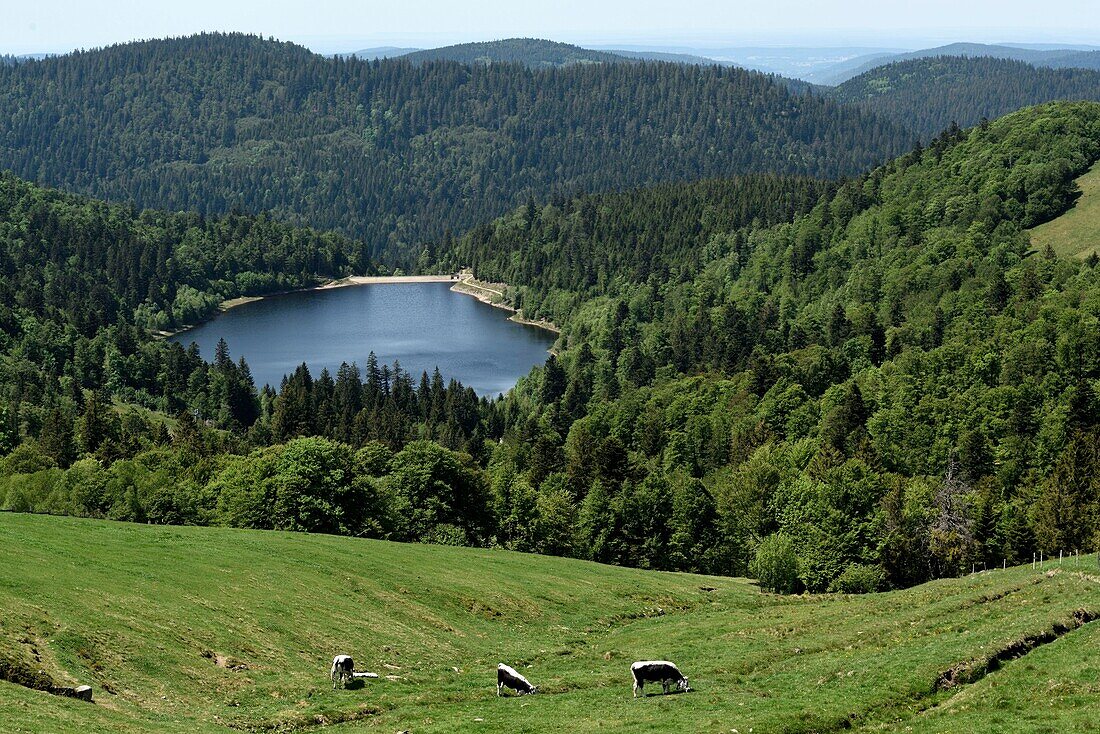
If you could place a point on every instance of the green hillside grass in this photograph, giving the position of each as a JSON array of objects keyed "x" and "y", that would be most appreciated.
[
  {"x": 145, "y": 614},
  {"x": 1077, "y": 232}
]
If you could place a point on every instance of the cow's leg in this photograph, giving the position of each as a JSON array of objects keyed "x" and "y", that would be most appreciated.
[
  {"x": 499, "y": 687},
  {"x": 639, "y": 686}
]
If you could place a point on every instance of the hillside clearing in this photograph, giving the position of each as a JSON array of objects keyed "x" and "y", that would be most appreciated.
[
  {"x": 199, "y": 629},
  {"x": 1077, "y": 232}
]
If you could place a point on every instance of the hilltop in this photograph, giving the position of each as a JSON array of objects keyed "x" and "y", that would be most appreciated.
[
  {"x": 193, "y": 629},
  {"x": 531, "y": 52}
]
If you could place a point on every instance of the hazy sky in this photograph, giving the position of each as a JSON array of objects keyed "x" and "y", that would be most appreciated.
[{"x": 332, "y": 25}]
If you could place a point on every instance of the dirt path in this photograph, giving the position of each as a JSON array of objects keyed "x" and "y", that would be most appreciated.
[{"x": 379, "y": 279}]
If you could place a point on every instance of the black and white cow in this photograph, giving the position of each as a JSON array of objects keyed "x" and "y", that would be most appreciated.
[
  {"x": 508, "y": 677},
  {"x": 657, "y": 671},
  {"x": 343, "y": 670}
]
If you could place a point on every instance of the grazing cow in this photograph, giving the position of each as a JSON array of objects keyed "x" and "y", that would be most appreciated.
[
  {"x": 657, "y": 671},
  {"x": 507, "y": 676},
  {"x": 343, "y": 670}
]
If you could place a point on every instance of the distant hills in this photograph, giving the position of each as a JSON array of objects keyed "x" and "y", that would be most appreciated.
[
  {"x": 532, "y": 52},
  {"x": 396, "y": 153},
  {"x": 1056, "y": 58},
  {"x": 832, "y": 66},
  {"x": 818, "y": 66},
  {"x": 928, "y": 94},
  {"x": 9, "y": 59},
  {"x": 675, "y": 58},
  {"x": 380, "y": 52},
  {"x": 923, "y": 90},
  {"x": 797, "y": 62}
]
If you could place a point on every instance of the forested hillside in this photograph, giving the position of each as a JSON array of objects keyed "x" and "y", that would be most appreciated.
[
  {"x": 82, "y": 286},
  {"x": 929, "y": 94},
  {"x": 587, "y": 245},
  {"x": 392, "y": 152},
  {"x": 890, "y": 388},
  {"x": 1049, "y": 58}
]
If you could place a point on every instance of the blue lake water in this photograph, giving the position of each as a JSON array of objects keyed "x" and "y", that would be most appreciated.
[{"x": 421, "y": 325}]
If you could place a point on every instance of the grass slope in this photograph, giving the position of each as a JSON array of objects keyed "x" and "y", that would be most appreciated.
[
  {"x": 1077, "y": 232},
  {"x": 156, "y": 619}
]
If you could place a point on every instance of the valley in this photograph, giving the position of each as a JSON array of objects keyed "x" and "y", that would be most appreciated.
[{"x": 786, "y": 384}]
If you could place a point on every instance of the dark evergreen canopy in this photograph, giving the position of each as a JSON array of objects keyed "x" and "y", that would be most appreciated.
[{"x": 392, "y": 152}]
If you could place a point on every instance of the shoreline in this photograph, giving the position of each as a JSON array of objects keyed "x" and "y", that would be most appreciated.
[
  {"x": 469, "y": 286},
  {"x": 383, "y": 279},
  {"x": 464, "y": 284}
]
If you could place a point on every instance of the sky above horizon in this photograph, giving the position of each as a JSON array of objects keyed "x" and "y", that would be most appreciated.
[{"x": 52, "y": 26}]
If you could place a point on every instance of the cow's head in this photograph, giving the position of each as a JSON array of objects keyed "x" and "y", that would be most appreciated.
[
  {"x": 682, "y": 684},
  {"x": 534, "y": 689}
]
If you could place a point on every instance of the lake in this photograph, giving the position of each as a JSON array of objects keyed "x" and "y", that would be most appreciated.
[{"x": 421, "y": 325}]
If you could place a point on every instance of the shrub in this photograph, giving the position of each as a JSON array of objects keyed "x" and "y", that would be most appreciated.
[
  {"x": 25, "y": 459},
  {"x": 776, "y": 565},
  {"x": 859, "y": 578}
]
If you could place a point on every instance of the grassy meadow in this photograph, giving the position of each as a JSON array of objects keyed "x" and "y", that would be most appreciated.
[
  {"x": 183, "y": 629},
  {"x": 1077, "y": 232}
]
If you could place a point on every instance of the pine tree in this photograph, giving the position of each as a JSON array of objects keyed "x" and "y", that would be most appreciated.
[{"x": 57, "y": 439}]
